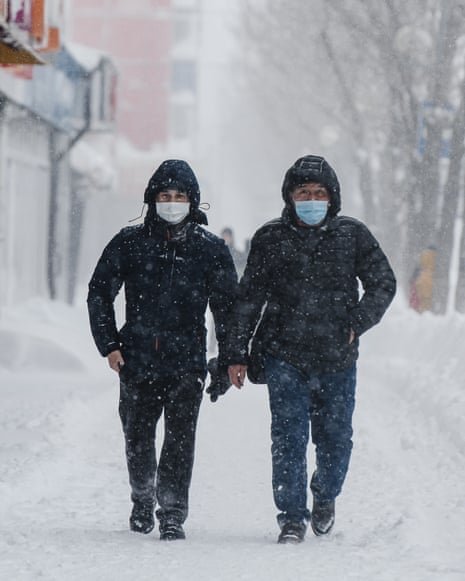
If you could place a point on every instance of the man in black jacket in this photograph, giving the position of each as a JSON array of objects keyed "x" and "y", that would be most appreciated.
[
  {"x": 171, "y": 269},
  {"x": 300, "y": 286}
]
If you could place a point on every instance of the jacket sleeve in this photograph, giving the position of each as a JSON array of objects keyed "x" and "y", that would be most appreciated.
[
  {"x": 252, "y": 296},
  {"x": 378, "y": 281},
  {"x": 222, "y": 294},
  {"x": 103, "y": 288}
]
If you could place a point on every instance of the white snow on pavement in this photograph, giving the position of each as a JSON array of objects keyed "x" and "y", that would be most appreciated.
[{"x": 64, "y": 496}]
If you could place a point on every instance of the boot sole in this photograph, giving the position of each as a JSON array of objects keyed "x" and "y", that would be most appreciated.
[
  {"x": 290, "y": 540},
  {"x": 320, "y": 533}
]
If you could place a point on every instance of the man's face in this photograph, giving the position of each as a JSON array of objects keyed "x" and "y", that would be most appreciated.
[
  {"x": 172, "y": 196},
  {"x": 310, "y": 191}
]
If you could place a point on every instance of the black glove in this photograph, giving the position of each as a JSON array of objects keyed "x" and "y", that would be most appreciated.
[{"x": 219, "y": 379}]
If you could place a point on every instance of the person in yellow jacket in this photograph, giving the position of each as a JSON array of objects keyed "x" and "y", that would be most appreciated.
[{"x": 422, "y": 283}]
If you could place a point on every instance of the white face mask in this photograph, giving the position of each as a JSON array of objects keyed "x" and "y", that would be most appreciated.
[{"x": 173, "y": 212}]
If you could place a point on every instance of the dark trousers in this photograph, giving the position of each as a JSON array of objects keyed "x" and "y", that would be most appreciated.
[
  {"x": 297, "y": 401},
  {"x": 141, "y": 406}
]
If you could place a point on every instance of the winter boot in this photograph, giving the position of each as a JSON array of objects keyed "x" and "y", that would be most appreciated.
[
  {"x": 141, "y": 519},
  {"x": 323, "y": 515},
  {"x": 171, "y": 531},
  {"x": 292, "y": 532}
]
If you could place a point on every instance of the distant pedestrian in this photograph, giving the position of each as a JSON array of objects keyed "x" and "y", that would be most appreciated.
[
  {"x": 239, "y": 257},
  {"x": 299, "y": 303},
  {"x": 171, "y": 269},
  {"x": 422, "y": 281}
]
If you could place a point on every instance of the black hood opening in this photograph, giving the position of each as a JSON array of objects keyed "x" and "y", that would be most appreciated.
[
  {"x": 313, "y": 168},
  {"x": 175, "y": 174}
]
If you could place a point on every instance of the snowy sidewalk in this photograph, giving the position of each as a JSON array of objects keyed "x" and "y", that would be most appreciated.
[{"x": 64, "y": 497}]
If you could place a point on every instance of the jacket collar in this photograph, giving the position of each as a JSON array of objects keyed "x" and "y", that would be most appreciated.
[{"x": 158, "y": 228}]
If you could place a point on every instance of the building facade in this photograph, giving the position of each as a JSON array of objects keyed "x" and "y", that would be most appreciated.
[
  {"x": 51, "y": 98},
  {"x": 154, "y": 44}
]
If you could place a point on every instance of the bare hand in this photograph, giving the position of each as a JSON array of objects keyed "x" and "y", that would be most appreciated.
[
  {"x": 115, "y": 360},
  {"x": 237, "y": 375},
  {"x": 352, "y": 336}
]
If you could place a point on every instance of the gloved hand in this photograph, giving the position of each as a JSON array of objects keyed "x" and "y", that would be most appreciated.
[{"x": 219, "y": 379}]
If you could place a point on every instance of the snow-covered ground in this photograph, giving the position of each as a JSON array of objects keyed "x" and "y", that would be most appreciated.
[{"x": 64, "y": 498}]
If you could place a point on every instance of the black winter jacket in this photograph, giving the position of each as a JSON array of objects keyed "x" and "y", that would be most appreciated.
[
  {"x": 168, "y": 283},
  {"x": 302, "y": 284}
]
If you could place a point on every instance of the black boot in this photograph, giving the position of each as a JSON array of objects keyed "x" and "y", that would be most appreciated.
[
  {"x": 141, "y": 519},
  {"x": 323, "y": 515},
  {"x": 171, "y": 531},
  {"x": 292, "y": 532}
]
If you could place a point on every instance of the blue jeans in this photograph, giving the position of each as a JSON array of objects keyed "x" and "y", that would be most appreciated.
[{"x": 324, "y": 401}]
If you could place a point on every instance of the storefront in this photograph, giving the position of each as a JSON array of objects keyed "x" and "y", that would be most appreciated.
[{"x": 42, "y": 119}]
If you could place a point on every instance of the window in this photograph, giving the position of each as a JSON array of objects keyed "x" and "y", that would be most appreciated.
[
  {"x": 184, "y": 76},
  {"x": 182, "y": 28}
]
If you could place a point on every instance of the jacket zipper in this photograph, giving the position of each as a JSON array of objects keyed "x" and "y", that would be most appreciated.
[{"x": 173, "y": 261}]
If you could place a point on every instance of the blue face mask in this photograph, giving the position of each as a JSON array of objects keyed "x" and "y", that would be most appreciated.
[{"x": 312, "y": 212}]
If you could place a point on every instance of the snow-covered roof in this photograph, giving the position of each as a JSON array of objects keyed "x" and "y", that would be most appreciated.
[
  {"x": 87, "y": 160},
  {"x": 89, "y": 58}
]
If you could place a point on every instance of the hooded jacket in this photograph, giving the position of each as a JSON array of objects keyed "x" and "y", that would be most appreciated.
[
  {"x": 170, "y": 274},
  {"x": 301, "y": 286}
]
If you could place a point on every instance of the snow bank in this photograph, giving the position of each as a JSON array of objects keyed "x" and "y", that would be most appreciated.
[
  {"x": 46, "y": 337},
  {"x": 20, "y": 351},
  {"x": 423, "y": 361}
]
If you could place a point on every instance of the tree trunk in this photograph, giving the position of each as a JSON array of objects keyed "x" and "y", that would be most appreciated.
[
  {"x": 460, "y": 290},
  {"x": 445, "y": 233}
]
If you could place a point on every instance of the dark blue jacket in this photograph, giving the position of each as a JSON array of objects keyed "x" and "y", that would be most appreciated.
[{"x": 170, "y": 275}]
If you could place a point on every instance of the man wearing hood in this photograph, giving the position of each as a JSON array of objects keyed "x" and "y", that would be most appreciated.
[
  {"x": 299, "y": 303},
  {"x": 171, "y": 269}
]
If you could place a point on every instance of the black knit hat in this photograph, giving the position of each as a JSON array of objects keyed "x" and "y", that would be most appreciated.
[
  {"x": 313, "y": 168},
  {"x": 176, "y": 174}
]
